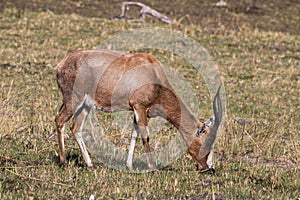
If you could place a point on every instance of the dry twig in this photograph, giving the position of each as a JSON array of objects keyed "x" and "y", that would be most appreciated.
[{"x": 143, "y": 12}]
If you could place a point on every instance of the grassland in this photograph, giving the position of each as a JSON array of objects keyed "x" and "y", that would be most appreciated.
[{"x": 261, "y": 72}]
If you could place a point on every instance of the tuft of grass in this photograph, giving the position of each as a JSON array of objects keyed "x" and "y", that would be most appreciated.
[{"x": 259, "y": 159}]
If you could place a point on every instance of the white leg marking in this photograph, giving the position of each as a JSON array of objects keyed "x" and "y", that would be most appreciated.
[
  {"x": 61, "y": 142},
  {"x": 135, "y": 115},
  {"x": 133, "y": 141},
  {"x": 65, "y": 136},
  {"x": 62, "y": 136},
  {"x": 89, "y": 101},
  {"x": 82, "y": 146},
  {"x": 148, "y": 132},
  {"x": 131, "y": 149},
  {"x": 210, "y": 160}
]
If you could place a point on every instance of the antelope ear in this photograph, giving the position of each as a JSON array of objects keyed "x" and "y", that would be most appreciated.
[
  {"x": 201, "y": 130},
  {"x": 209, "y": 121}
]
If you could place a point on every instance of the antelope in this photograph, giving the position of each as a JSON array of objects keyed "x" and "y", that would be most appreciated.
[{"x": 112, "y": 81}]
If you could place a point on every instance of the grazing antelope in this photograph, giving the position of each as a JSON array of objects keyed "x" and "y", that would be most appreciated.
[{"x": 112, "y": 81}]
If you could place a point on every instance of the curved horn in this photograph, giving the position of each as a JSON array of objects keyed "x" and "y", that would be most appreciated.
[
  {"x": 217, "y": 108},
  {"x": 211, "y": 137}
]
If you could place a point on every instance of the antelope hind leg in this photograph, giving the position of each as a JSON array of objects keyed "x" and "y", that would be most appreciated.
[
  {"x": 61, "y": 119},
  {"x": 77, "y": 128}
]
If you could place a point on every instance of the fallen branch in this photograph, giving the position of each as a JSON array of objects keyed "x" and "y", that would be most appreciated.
[{"x": 143, "y": 12}]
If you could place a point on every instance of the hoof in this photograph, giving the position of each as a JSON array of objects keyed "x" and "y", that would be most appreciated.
[
  {"x": 129, "y": 167},
  {"x": 91, "y": 166},
  {"x": 62, "y": 165},
  {"x": 208, "y": 170}
]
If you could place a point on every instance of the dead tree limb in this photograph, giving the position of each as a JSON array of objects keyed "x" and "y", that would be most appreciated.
[{"x": 143, "y": 12}]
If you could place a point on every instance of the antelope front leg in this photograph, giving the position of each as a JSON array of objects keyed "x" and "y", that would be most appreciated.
[
  {"x": 61, "y": 143},
  {"x": 145, "y": 137}
]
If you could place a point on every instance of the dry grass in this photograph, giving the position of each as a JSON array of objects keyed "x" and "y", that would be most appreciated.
[{"x": 259, "y": 159}]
